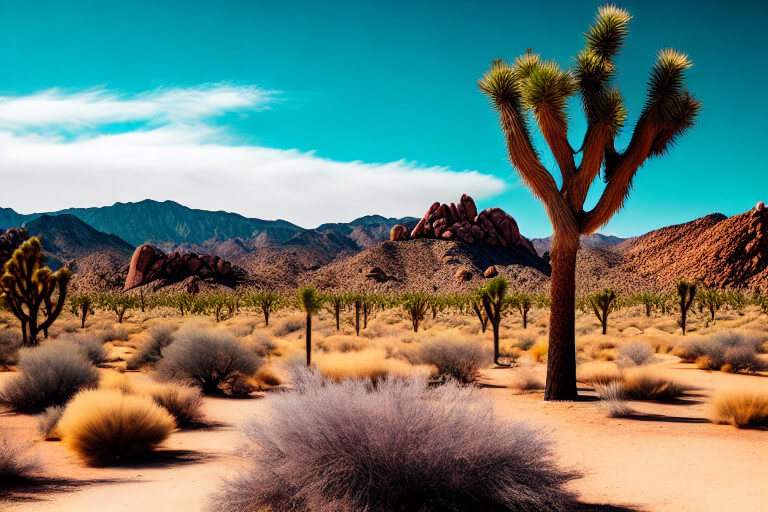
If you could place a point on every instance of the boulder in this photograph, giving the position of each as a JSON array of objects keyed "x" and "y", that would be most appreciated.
[
  {"x": 397, "y": 233},
  {"x": 491, "y": 272},
  {"x": 463, "y": 274}
]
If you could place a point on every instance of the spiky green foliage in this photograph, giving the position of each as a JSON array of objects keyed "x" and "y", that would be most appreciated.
[
  {"x": 547, "y": 86},
  {"x": 602, "y": 304},
  {"x": 117, "y": 302},
  {"x": 494, "y": 299},
  {"x": 711, "y": 299},
  {"x": 265, "y": 300},
  {"x": 82, "y": 306},
  {"x": 31, "y": 290},
  {"x": 310, "y": 302},
  {"x": 416, "y": 304}
]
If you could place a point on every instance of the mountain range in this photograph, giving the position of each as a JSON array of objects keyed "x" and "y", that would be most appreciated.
[{"x": 97, "y": 244}]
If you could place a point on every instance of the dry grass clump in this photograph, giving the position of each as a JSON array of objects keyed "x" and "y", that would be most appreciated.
[
  {"x": 396, "y": 446},
  {"x": 734, "y": 351},
  {"x": 525, "y": 379},
  {"x": 114, "y": 333},
  {"x": 107, "y": 426},
  {"x": 16, "y": 463},
  {"x": 369, "y": 364},
  {"x": 539, "y": 351},
  {"x": 598, "y": 373},
  {"x": 261, "y": 343},
  {"x": 10, "y": 341},
  {"x": 91, "y": 344},
  {"x": 455, "y": 359},
  {"x": 636, "y": 353},
  {"x": 184, "y": 403},
  {"x": 288, "y": 325},
  {"x": 613, "y": 400},
  {"x": 206, "y": 358},
  {"x": 743, "y": 408},
  {"x": 48, "y": 421},
  {"x": 268, "y": 377},
  {"x": 48, "y": 375},
  {"x": 158, "y": 337},
  {"x": 648, "y": 384}
]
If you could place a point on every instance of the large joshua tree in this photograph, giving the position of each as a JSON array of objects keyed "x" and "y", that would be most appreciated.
[{"x": 542, "y": 89}]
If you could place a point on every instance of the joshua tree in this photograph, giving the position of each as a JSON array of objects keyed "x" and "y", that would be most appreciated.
[
  {"x": 310, "y": 302},
  {"x": 543, "y": 88},
  {"x": 712, "y": 299},
  {"x": 476, "y": 302},
  {"x": 416, "y": 304},
  {"x": 118, "y": 303},
  {"x": 523, "y": 302},
  {"x": 686, "y": 290},
  {"x": 28, "y": 288},
  {"x": 602, "y": 304},
  {"x": 267, "y": 301},
  {"x": 494, "y": 297},
  {"x": 335, "y": 302},
  {"x": 82, "y": 305}
]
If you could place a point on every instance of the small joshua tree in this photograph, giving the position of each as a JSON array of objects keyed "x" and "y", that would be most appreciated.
[
  {"x": 82, "y": 306},
  {"x": 310, "y": 302},
  {"x": 647, "y": 299},
  {"x": 335, "y": 302},
  {"x": 686, "y": 291},
  {"x": 267, "y": 301},
  {"x": 476, "y": 303},
  {"x": 532, "y": 86},
  {"x": 30, "y": 290},
  {"x": 603, "y": 304},
  {"x": 494, "y": 297},
  {"x": 118, "y": 303},
  {"x": 416, "y": 305},
  {"x": 523, "y": 302},
  {"x": 711, "y": 299}
]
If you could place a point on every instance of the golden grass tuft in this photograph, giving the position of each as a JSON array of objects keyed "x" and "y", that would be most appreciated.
[
  {"x": 741, "y": 408},
  {"x": 268, "y": 377},
  {"x": 107, "y": 426},
  {"x": 369, "y": 364},
  {"x": 539, "y": 351},
  {"x": 644, "y": 383},
  {"x": 598, "y": 373}
]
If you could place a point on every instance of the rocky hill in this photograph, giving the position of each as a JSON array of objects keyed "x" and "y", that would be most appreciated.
[{"x": 595, "y": 240}]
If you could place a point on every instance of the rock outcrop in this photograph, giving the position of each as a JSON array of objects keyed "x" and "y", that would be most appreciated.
[
  {"x": 10, "y": 240},
  {"x": 461, "y": 222},
  {"x": 150, "y": 264}
]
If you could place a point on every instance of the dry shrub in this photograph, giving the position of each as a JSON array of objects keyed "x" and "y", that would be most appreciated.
[
  {"x": 107, "y": 426},
  {"x": 289, "y": 325},
  {"x": 742, "y": 408},
  {"x": 48, "y": 375},
  {"x": 539, "y": 351},
  {"x": 636, "y": 353},
  {"x": 16, "y": 463},
  {"x": 91, "y": 344},
  {"x": 455, "y": 359},
  {"x": 158, "y": 337},
  {"x": 184, "y": 403},
  {"x": 525, "y": 340},
  {"x": 206, "y": 358},
  {"x": 114, "y": 333},
  {"x": 48, "y": 421},
  {"x": 397, "y": 446},
  {"x": 370, "y": 364},
  {"x": 613, "y": 400},
  {"x": 10, "y": 342},
  {"x": 649, "y": 384},
  {"x": 116, "y": 381},
  {"x": 726, "y": 350},
  {"x": 261, "y": 343},
  {"x": 598, "y": 373},
  {"x": 268, "y": 377},
  {"x": 525, "y": 379}
]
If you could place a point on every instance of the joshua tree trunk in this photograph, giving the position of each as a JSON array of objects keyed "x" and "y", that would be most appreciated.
[
  {"x": 482, "y": 317},
  {"x": 309, "y": 338},
  {"x": 266, "y": 316},
  {"x": 357, "y": 317},
  {"x": 561, "y": 357},
  {"x": 337, "y": 312}
]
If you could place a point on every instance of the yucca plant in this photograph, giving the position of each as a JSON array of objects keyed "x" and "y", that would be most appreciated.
[
  {"x": 494, "y": 297},
  {"x": 310, "y": 302},
  {"x": 686, "y": 292},
  {"x": 712, "y": 300},
  {"x": 649, "y": 300},
  {"x": 335, "y": 303},
  {"x": 736, "y": 299},
  {"x": 117, "y": 302},
  {"x": 523, "y": 302},
  {"x": 267, "y": 301},
  {"x": 542, "y": 88},
  {"x": 602, "y": 304},
  {"x": 416, "y": 304},
  {"x": 31, "y": 290}
]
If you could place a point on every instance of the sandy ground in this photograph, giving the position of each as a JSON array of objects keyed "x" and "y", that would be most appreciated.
[{"x": 667, "y": 458}]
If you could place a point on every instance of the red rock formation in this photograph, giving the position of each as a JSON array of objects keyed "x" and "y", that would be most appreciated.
[
  {"x": 398, "y": 232},
  {"x": 491, "y": 271},
  {"x": 462, "y": 222},
  {"x": 150, "y": 264}
]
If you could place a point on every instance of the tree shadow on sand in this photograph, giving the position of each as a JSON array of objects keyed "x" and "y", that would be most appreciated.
[
  {"x": 665, "y": 419},
  {"x": 167, "y": 458},
  {"x": 40, "y": 488},
  {"x": 593, "y": 507}
]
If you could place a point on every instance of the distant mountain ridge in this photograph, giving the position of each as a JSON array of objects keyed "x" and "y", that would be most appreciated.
[{"x": 595, "y": 240}]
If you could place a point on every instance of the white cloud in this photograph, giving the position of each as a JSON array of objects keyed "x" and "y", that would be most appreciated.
[
  {"x": 188, "y": 163},
  {"x": 56, "y": 109}
]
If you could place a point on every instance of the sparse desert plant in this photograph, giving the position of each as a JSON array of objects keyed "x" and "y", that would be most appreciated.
[
  {"x": 370, "y": 364},
  {"x": 532, "y": 88},
  {"x": 262, "y": 343},
  {"x": 16, "y": 463},
  {"x": 613, "y": 400},
  {"x": 107, "y": 426},
  {"x": 603, "y": 304},
  {"x": 526, "y": 341},
  {"x": 267, "y": 377},
  {"x": 741, "y": 408},
  {"x": 47, "y": 422},
  {"x": 10, "y": 341},
  {"x": 397, "y": 446},
  {"x": 724, "y": 350},
  {"x": 416, "y": 305},
  {"x": 524, "y": 379},
  {"x": 539, "y": 351},
  {"x": 288, "y": 325},
  {"x": 711, "y": 299},
  {"x": 113, "y": 333},
  {"x": 494, "y": 297},
  {"x": 119, "y": 303},
  {"x": 455, "y": 359},
  {"x": 90, "y": 344},
  {"x": 30, "y": 290},
  {"x": 742, "y": 359},
  {"x": 686, "y": 292},
  {"x": 82, "y": 306},
  {"x": 598, "y": 373},
  {"x": 205, "y": 358},
  {"x": 158, "y": 337},
  {"x": 48, "y": 375},
  {"x": 268, "y": 302},
  {"x": 636, "y": 353},
  {"x": 643, "y": 383}
]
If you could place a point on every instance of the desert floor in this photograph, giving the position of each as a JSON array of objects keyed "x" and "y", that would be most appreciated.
[{"x": 666, "y": 457}]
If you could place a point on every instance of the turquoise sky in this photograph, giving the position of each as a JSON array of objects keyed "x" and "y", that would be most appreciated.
[{"x": 387, "y": 81}]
